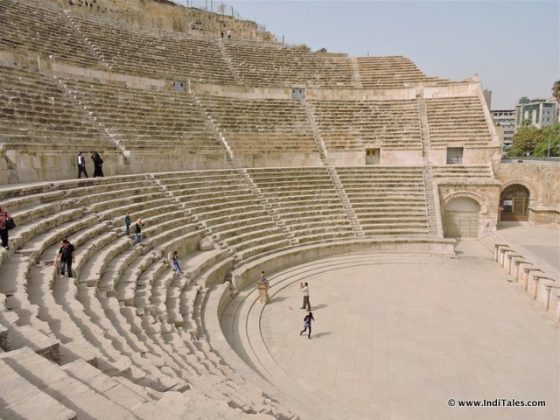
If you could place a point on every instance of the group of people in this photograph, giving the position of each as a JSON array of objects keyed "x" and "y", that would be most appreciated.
[
  {"x": 138, "y": 236},
  {"x": 304, "y": 287},
  {"x": 97, "y": 165}
]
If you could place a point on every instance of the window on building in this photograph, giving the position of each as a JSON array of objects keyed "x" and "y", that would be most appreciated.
[{"x": 454, "y": 155}]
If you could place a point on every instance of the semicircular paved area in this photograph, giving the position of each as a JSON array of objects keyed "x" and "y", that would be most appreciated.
[{"x": 398, "y": 336}]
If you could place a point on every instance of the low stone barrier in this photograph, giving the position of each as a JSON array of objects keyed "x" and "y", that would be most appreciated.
[{"x": 545, "y": 290}]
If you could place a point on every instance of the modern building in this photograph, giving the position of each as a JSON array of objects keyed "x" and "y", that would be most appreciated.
[
  {"x": 505, "y": 118},
  {"x": 536, "y": 112}
]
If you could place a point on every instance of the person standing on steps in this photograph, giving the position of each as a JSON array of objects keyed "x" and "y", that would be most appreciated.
[
  {"x": 81, "y": 160},
  {"x": 138, "y": 231},
  {"x": 5, "y": 227},
  {"x": 174, "y": 261},
  {"x": 127, "y": 223},
  {"x": 66, "y": 257},
  {"x": 307, "y": 324},
  {"x": 305, "y": 290},
  {"x": 97, "y": 165}
]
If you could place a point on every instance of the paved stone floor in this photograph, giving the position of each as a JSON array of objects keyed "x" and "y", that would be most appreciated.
[
  {"x": 398, "y": 340},
  {"x": 540, "y": 244}
]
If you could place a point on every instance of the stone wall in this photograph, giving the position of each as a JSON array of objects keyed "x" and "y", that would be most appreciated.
[{"x": 541, "y": 179}]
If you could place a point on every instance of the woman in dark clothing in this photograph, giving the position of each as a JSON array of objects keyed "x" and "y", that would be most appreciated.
[
  {"x": 97, "y": 165},
  {"x": 307, "y": 324}
]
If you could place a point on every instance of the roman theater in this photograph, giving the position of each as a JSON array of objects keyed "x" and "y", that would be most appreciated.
[{"x": 432, "y": 264}]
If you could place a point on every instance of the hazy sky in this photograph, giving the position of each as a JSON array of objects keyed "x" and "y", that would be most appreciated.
[{"x": 513, "y": 45}]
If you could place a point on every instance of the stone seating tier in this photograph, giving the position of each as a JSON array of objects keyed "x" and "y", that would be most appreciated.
[
  {"x": 458, "y": 120},
  {"x": 463, "y": 172},
  {"x": 392, "y": 124},
  {"x": 261, "y": 124},
  {"x": 147, "y": 119},
  {"x": 133, "y": 51},
  {"x": 387, "y": 201},
  {"x": 43, "y": 30},
  {"x": 34, "y": 109},
  {"x": 86, "y": 315},
  {"x": 261, "y": 65},
  {"x": 392, "y": 72}
]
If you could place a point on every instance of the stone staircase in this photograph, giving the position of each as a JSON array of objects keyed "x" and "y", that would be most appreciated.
[
  {"x": 228, "y": 61},
  {"x": 92, "y": 48},
  {"x": 316, "y": 133},
  {"x": 425, "y": 130},
  {"x": 87, "y": 111},
  {"x": 214, "y": 129},
  {"x": 434, "y": 223},
  {"x": 269, "y": 208},
  {"x": 356, "y": 227},
  {"x": 356, "y": 73}
]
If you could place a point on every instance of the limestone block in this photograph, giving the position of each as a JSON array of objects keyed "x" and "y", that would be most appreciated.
[{"x": 206, "y": 244}]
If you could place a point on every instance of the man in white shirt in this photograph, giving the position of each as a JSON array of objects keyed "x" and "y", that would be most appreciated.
[
  {"x": 81, "y": 160},
  {"x": 305, "y": 290}
]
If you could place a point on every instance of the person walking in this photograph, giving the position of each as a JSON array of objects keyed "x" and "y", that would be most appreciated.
[
  {"x": 307, "y": 324},
  {"x": 81, "y": 160},
  {"x": 175, "y": 263},
  {"x": 138, "y": 231},
  {"x": 305, "y": 290},
  {"x": 97, "y": 165},
  {"x": 66, "y": 257},
  {"x": 5, "y": 220},
  {"x": 127, "y": 223}
]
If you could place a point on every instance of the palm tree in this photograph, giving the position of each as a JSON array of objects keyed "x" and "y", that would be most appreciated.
[{"x": 556, "y": 91}]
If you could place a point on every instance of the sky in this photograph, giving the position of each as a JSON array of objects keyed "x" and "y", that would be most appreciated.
[{"x": 514, "y": 46}]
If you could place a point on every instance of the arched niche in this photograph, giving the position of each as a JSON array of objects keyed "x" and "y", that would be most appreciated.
[
  {"x": 461, "y": 218},
  {"x": 514, "y": 203}
]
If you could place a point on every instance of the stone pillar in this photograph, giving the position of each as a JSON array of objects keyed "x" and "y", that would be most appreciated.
[
  {"x": 518, "y": 265},
  {"x": 509, "y": 262},
  {"x": 262, "y": 287},
  {"x": 526, "y": 275}
]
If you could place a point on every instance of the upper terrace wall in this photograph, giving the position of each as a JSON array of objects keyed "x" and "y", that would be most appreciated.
[{"x": 166, "y": 16}]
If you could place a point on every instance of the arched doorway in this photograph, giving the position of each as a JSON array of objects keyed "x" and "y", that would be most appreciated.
[
  {"x": 461, "y": 218},
  {"x": 514, "y": 202}
]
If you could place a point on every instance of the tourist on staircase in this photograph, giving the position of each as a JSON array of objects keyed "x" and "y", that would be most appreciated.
[
  {"x": 174, "y": 261},
  {"x": 6, "y": 223},
  {"x": 66, "y": 257},
  {"x": 127, "y": 223},
  {"x": 138, "y": 231}
]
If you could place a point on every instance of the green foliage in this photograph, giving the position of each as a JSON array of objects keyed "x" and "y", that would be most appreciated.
[
  {"x": 550, "y": 137},
  {"x": 531, "y": 141},
  {"x": 556, "y": 90}
]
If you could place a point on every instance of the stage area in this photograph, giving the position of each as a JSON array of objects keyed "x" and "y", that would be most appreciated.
[{"x": 399, "y": 336}]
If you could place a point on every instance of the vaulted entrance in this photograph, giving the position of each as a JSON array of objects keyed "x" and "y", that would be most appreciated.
[
  {"x": 514, "y": 202},
  {"x": 461, "y": 218}
]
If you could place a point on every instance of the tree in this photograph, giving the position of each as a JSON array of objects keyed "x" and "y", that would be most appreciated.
[
  {"x": 524, "y": 141},
  {"x": 556, "y": 91},
  {"x": 549, "y": 140}
]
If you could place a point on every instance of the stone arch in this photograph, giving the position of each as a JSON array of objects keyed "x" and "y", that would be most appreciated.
[
  {"x": 467, "y": 194},
  {"x": 532, "y": 191},
  {"x": 461, "y": 216},
  {"x": 514, "y": 202}
]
